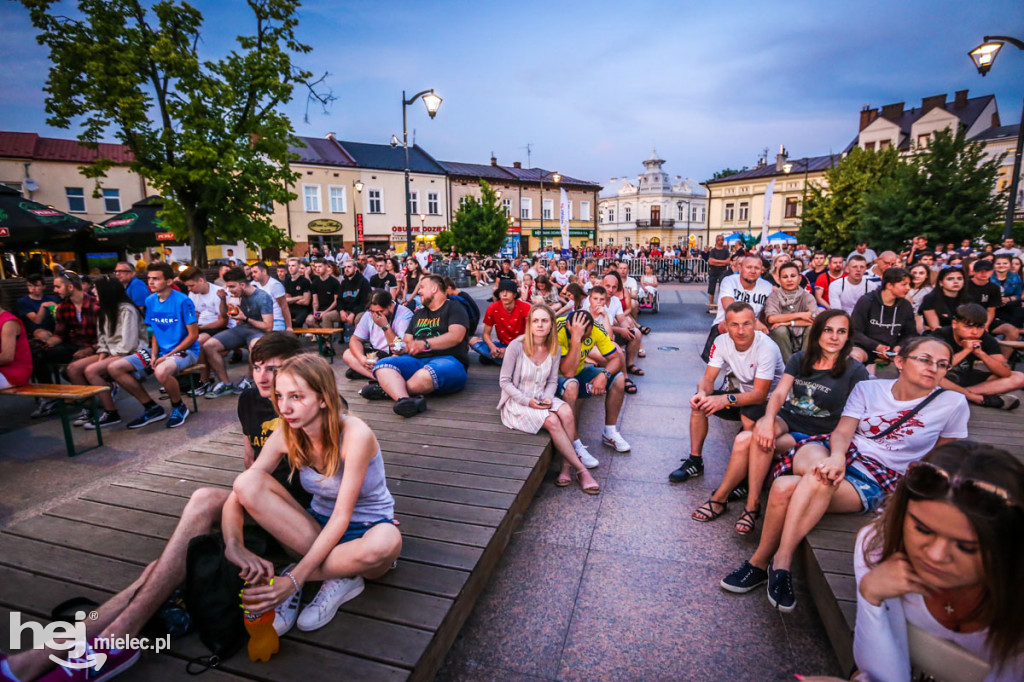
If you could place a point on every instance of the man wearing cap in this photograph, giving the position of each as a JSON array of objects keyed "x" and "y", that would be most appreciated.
[{"x": 507, "y": 317}]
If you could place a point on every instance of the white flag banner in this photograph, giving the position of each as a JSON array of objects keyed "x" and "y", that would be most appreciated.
[
  {"x": 563, "y": 218},
  {"x": 767, "y": 214}
]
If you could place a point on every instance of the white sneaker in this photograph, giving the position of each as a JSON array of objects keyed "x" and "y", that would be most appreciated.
[
  {"x": 83, "y": 417},
  {"x": 588, "y": 459},
  {"x": 333, "y": 593},
  {"x": 286, "y": 614},
  {"x": 616, "y": 441}
]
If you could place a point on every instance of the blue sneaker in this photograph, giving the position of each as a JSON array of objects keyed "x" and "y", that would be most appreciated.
[
  {"x": 178, "y": 415},
  {"x": 153, "y": 414},
  {"x": 744, "y": 579},
  {"x": 780, "y": 589}
]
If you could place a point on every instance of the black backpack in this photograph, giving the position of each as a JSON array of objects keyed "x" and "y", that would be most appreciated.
[{"x": 212, "y": 585}]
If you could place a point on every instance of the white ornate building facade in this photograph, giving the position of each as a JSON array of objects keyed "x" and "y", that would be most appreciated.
[{"x": 652, "y": 209}]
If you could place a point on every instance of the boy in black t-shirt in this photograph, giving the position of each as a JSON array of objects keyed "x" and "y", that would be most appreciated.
[
  {"x": 989, "y": 296},
  {"x": 971, "y": 343},
  {"x": 256, "y": 410},
  {"x": 297, "y": 290}
]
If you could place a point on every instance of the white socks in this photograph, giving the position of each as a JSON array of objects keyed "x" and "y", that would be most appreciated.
[
  {"x": 610, "y": 431},
  {"x": 577, "y": 443}
]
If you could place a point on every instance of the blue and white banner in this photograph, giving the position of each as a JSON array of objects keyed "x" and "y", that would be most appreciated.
[
  {"x": 767, "y": 213},
  {"x": 563, "y": 218}
]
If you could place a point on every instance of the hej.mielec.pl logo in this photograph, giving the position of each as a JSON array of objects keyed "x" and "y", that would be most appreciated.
[{"x": 62, "y": 636}]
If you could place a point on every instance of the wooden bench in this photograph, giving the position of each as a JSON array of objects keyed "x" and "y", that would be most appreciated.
[
  {"x": 828, "y": 550},
  {"x": 461, "y": 483},
  {"x": 64, "y": 394},
  {"x": 324, "y": 342}
]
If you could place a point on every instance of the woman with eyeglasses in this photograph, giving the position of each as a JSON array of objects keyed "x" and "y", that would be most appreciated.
[
  {"x": 946, "y": 556},
  {"x": 886, "y": 425}
]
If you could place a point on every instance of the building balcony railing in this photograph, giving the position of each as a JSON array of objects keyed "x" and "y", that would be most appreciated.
[{"x": 668, "y": 222}]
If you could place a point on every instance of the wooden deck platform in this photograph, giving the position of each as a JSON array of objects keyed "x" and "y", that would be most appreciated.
[
  {"x": 461, "y": 482},
  {"x": 828, "y": 550}
]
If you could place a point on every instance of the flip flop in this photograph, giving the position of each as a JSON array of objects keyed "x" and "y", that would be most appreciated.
[{"x": 641, "y": 353}]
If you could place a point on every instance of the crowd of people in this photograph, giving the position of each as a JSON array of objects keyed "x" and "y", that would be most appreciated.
[
  {"x": 851, "y": 381},
  {"x": 850, "y": 378}
]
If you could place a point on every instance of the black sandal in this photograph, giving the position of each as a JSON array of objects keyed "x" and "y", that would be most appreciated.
[
  {"x": 630, "y": 386},
  {"x": 645, "y": 330},
  {"x": 706, "y": 512},
  {"x": 635, "y": 371},
  {"x": 748, "y": 520}
]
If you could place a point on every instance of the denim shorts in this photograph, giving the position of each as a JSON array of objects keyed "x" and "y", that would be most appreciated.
[
  {"x": 182, "y": 360},
  {"x": 871, "y": 492},
  {"x": 485, "y": 351},
  {"x": 447, "y": 373},
  {"x": 584, "y": 379},
  {"x": 355, "y": 530}
]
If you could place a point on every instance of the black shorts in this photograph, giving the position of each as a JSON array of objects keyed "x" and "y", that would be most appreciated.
[
  {"x": 967, "y": 377},
  {"x": 732, "y": 413},
  {"x": 713, "y": 279}
]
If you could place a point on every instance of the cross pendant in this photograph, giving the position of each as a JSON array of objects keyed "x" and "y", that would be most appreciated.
[{"x": 949, "y": 609}]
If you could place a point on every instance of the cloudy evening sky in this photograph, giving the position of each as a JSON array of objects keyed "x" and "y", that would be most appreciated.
[{"x": 593, "y": 86}]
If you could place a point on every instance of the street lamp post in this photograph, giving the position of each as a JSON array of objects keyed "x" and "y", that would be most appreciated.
[
  {"x": 433, "y": 103},
  {"x": 984, "y": 56},
  {"x": 358, "y": 185},
  {"x": 557, "y": 178},
  {"x": 679, "y": 204}
]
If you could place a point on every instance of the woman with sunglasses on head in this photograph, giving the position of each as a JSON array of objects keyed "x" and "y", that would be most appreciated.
[
  {"x": 946, "y": 556},
  {"x": 808, "y": 401},
  {"x": 885, "y": 426}
]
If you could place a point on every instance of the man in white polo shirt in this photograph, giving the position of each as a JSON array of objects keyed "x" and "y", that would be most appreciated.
[{"x": 212, "y": 311}]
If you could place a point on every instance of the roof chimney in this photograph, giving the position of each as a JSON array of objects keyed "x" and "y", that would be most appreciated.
[
  {"x": 933, "y": 102},
  {"x": 892, "y": 111},
  {"x": 517, "y": 164},
  {"x": 330, "y": 136},
  {"x": 995, "y": 119},
  {"x": 867, "y": 116},
  {"x": 780, "y": 158},
  {"x": 960, "y": 99},
  {"x": 494, "y": 160}
]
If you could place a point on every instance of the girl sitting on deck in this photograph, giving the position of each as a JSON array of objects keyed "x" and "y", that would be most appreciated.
[
  {"x": 348, "y": 532},
  {"x": 885, "y": 426},
  {"x": 529, "y": 377},
  {"x": 946, "y": 556}
]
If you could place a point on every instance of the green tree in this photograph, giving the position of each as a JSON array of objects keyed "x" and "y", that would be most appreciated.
[
  {"x": 726, "y": 172},
  {"x": 479, "y": 224},
  {"x": 833, "y": 211},
  {"x": 208, "y": 135},
  {"x": 942, "y": 191},
  {"x": 444, "y": 241}
]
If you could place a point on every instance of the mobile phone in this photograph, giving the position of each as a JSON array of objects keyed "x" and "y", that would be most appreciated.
[{"x": 891, "y": 353}]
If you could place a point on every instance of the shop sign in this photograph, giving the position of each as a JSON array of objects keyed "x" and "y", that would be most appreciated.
[
  {"x": 165, "y": 236},
  {"x": 557, "y": 233},
  {"x": 117, "y": 225},
  {"x": 427, "y": 229},
  {"x": 359, "y": 227},
  {"x": 324, "y": 226}
]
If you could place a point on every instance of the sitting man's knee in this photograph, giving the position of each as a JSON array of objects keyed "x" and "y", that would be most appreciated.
[{"x": 206, "y": 500}]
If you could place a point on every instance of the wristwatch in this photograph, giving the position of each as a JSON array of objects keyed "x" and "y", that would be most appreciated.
[
  {"x": 426, "y": 344},
  {"x": 732, "y": 398}
]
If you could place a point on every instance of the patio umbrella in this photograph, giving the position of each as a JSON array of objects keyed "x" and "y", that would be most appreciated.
[
  {"x": 781, "y": 238},
  {"x": 26, "y": 223},
  {"x": 139, "y": 226},
  {"x": 735, "y": 236}
]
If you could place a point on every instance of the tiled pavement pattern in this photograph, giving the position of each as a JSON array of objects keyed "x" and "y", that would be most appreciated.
[{"x": 624, "y": 585}]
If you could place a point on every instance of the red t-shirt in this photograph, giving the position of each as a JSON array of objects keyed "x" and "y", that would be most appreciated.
[
  {"x": 824, "y": 281},
  {"x": 19, "y": 371},
  {"x": 507, "y": 325}
]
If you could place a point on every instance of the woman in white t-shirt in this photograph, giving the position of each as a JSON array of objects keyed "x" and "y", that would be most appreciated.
[
  {"x": 946, "y": 556},
  {"x": 886, "y": 425}
]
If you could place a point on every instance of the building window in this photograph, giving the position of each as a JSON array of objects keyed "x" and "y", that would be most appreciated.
[
  {"x": 376, "y": 202},
  {"x": 526, "y": 209},
  {"x": 584, "y": 210},
  {"x": 433, "y": 204},
  {"x": 611, "y": 215},
  {"x": 627, "y": 240},
  {"x": 869, "y": 146},
  {"x": 884, "y": 144},
  {"x": 693, "y": 214},
  {"x": 791, "y": 207},
  {"x": 76, "y": 199},
  {"x": 414, "y": 201},
  {"x": 744, "y": 211},
  {"x": 337, "y": 196},
  {"x": 568, "y": 207},
  {"x": 548, "y": 209},
  {"x": 112, "y": 201},
  {"x": 923, "y": 140},
  {"x": 627, "y": 214},
  {"x": 311, "y": 198},
  {"x": 506, "y": 207},
  {"x": 730, "y": 212},
  {"x": 679, "y": 212}
]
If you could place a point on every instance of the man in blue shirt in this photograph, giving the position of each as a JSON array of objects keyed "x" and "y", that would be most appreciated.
[
  {"x": 171, "y": 317},
  {"x": 133, "y": 286}
]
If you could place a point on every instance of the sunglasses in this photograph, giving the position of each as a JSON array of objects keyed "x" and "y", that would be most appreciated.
[{"x": 929, "y": 481}]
